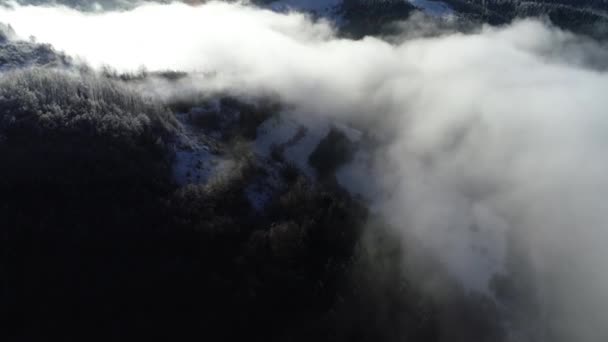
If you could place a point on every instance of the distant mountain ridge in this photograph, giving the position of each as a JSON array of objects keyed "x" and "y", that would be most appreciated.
[
  {"x": 588, "y": 17},
  {"x": 357, "y": 18}
]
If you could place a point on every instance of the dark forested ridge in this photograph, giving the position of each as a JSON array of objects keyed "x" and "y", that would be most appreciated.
[
  {"x": 374, "y": 17},
  {"x": 99, "y": 242},
  {"x": 581, "y": 16},
  {"x": 364, "y": 17}
]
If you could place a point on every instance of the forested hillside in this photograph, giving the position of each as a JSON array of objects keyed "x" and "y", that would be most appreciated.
[
  {"x": 99, "y": 242},
  {"x": 581, "y": 16}
]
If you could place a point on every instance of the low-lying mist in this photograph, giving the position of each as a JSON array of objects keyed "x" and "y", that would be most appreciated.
[{"x": 493, "y": 142}]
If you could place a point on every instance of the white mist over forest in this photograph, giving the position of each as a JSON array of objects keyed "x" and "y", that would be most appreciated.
[{"x": 489, "y": 139}]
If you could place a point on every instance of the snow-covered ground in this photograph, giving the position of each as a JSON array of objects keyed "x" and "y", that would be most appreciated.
[
  {"x": 298, "y": 137},
  {"x": 274, "y": 131},
  {"x": 196, "y": 156},
  {"x": 473, "y": 254},
  {"x": 350, "y": 177}
]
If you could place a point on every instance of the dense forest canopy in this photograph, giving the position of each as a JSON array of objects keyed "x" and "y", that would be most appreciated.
[{"x": 85, "y": 176}]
